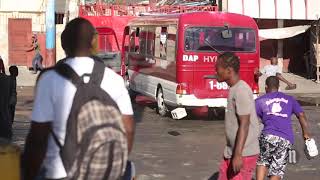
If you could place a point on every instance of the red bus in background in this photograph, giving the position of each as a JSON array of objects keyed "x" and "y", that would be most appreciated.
[
  {"x": 108, "y": 48},
  {"x": 172, "y": 57}
]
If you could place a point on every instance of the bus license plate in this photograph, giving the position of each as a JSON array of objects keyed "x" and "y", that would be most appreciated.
[{"x": 215, "y": 85}]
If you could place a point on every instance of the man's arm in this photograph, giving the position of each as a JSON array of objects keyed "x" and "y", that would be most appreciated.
[
  {"x": 244, "y": 104},
  {"x": 30, "y": 48},
  {"x": 298, "y": 111},
  {"x": 304, "y": 125},
  {"x": 35, "y": 149},
  {"x": 242, "y": 133},
  {"x": 42, "y": 117},
  {"x": 129, "y": 126},
  {"x": 258, "y": 73}
]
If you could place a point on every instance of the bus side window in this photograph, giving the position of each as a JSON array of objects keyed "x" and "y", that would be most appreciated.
[
  {"x": 150, "y": 41},
  {"x": 171, "y": 43},
  {"x": 161, "y": 42},
  {"x": 134, "y": 41},
  {"x": 143, "y": 41}
]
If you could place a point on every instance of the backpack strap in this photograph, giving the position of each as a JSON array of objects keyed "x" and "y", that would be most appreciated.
[
  {"x": 98, "y": 71},
  {"x": 55, "y": 138},
  {"x": 67, "y": 72}
]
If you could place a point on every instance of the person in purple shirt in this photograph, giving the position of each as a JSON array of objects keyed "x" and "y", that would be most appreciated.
[{"x": 275, "y": 110}]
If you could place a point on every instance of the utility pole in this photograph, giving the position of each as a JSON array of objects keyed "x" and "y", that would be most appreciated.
[
  {"x": 50, "y": 34},
  {"x": 280, "y": 46}
]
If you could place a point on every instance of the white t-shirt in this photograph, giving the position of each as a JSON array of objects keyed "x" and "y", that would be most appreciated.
[
  {"x": 53, "y": 101},
  {"x": 271, "y": 70}
]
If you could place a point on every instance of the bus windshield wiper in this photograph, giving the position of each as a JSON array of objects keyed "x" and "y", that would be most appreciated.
[{"x": 213, "y": 48}]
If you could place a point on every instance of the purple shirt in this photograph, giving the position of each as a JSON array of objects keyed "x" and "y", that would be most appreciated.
[{"x": 275, "y": 110}]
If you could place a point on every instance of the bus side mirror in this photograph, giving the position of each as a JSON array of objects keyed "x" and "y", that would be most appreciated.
[{"x": 226, "y": 34}]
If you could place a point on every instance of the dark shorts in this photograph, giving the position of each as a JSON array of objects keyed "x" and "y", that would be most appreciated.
[{"x": 274, "y": 154}]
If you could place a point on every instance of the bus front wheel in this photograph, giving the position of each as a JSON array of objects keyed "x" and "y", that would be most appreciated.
[{"x": 162, "y": 109}]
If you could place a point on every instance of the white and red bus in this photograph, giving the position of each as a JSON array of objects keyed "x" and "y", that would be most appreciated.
[{"x": 172, "y": 57}]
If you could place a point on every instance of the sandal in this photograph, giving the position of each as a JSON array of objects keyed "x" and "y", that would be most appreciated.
[{"x": 294, "y": 86}]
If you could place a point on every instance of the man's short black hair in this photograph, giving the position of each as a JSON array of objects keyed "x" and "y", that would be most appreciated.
[
  {"x": 229, "y": 59},
  {"x": 13, "y": 70},
  {"x": 272, "y": 82},
  {"x": 77, "y": 35}
]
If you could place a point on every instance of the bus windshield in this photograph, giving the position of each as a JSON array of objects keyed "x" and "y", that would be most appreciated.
[
  {"x": 220, "y": 39},
  {"x": 108, "y": 47},
  {"x": 107, "y": 43}
]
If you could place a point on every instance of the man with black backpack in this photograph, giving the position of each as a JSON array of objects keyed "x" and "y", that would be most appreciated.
[{"x": 82, "y": 124}]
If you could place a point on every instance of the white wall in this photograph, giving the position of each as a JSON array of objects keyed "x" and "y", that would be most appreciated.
[
  {"x": 299, "y": 9},
  {"x": 22, "y": 5},
  {"x": 235, "y": 6},
  {"x": 38, "y": 25},
  {"x": 251, "y": 8},
  {"x": 31, "y": 5},
  {"x": 34, "y": 9},
  {"x": 284, "y": 10},
  {"x": 278, "y": 9},
  {"x": 313, "y": 9}
]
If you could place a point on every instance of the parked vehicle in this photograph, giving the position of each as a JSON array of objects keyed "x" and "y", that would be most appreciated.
[{"x": 172, "y": 57}]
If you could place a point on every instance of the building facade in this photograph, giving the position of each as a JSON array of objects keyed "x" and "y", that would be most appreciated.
[
  {"x": 274, "y": 17},
  {"x": 21, "y": 19}
]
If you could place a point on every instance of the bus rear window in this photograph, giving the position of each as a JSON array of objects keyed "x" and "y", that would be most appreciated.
[{"x": 211, "y": 38}]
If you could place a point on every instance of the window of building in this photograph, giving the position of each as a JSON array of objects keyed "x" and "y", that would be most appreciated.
[{"x": 59, "y": 18}]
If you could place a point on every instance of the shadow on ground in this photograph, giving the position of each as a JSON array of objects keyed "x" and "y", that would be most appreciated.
[
  {"x": 204, "y": 113},
  {"x": 214, "y": 176}
]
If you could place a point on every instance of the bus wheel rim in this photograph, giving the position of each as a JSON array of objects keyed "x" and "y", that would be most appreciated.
[{"x": 161, "y": 105}]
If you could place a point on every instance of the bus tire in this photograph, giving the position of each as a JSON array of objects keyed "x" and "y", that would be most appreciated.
[
  {"x": 162, "y": 109},
  {"x": 132, "y": 93},
  {"x": 216, "y": 113}
]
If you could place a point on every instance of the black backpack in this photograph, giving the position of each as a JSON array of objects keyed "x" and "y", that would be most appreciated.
[{"x": 95, "y": 145}]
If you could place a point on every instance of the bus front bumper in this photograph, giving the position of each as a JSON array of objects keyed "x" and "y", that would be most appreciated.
[{"x": 192, "y": 101}]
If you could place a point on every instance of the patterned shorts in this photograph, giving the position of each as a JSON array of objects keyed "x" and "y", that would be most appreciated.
[{"x": 274, "y": 154}]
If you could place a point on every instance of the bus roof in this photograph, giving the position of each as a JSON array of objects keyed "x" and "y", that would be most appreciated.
[{"x": 197, "y": 18}]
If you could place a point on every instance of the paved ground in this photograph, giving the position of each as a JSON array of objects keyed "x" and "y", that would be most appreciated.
[
  {"x": 166, "y": 149},
  {"x": 304, "y": 86},
  {"x": 26, "y": 78}
]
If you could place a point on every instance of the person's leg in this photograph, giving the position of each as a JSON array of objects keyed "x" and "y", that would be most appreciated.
[
  {"x": 261, "y": 172},
  {"x": 34, "y": 64},
  {"x": 12, "y": 111},
  {"x": 290, "y": 85},
  {"x": 275, "y": 178},
  {"x": 279, "y": 159},
  {"x": 246, "y": 172},
  {"x": 40, "y": 66},
  {"x": 223, "y": 169}
]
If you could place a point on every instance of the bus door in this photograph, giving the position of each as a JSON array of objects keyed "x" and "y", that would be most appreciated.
[{"x": 202, "y": 47}]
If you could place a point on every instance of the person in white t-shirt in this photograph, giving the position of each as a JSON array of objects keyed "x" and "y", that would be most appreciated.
[
  {"x": 53, "y": 101},
  {"x": 274, "y": 70}
]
